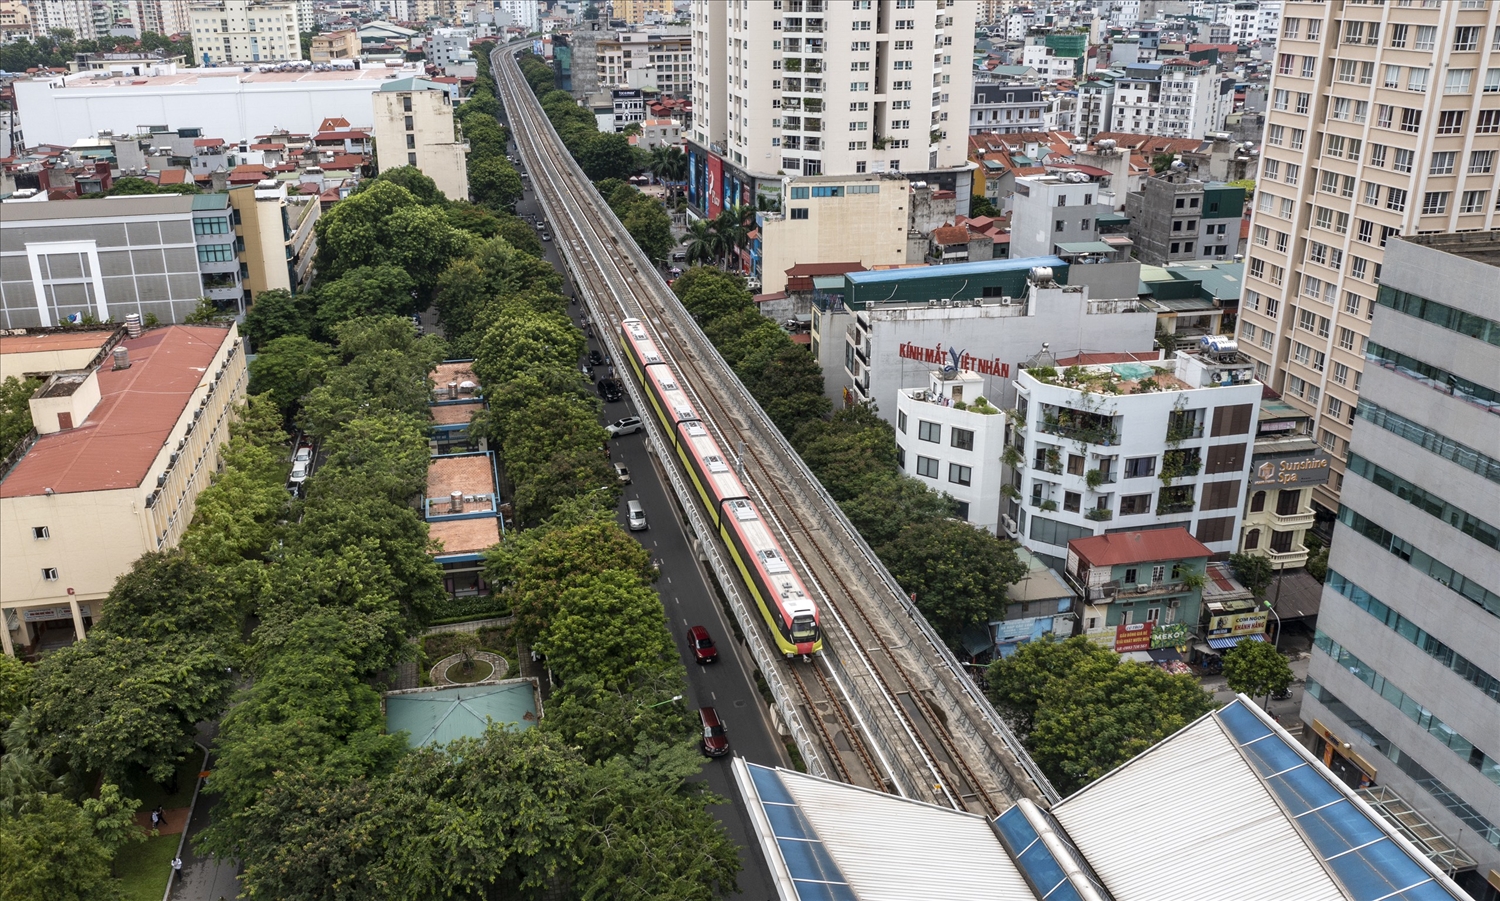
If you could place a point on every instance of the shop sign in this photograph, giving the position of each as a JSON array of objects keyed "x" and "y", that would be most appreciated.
[
  {"x": 1299, "y": 470},
  {"x": 954, "y": 359},
  {"x": 44, "y": 614},
  {"x": 1133, "y": 637},
  {"x": 1237, "y": 624},
  {"x": 1169, "y": 636}
]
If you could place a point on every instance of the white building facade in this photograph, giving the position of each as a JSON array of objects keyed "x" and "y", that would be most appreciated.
[
  {"x": 949, "y": 436},
  {"x": 1126, "y": 446},
  {"x": 811, "y": 87},
  {"x": 414, "y": 127},
  {"x": 525, "y": 13}
]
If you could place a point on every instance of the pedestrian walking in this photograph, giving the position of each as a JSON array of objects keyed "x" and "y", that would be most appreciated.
[{"x": 176, "y": 865}]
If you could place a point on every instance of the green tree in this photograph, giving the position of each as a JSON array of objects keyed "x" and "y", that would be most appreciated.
[
  {"x": 474, "y": 219},
  {"x": 366, "y": 291},
  {"x": 787, "y": 381},
  {"x": 383, "y": 455},
  {"x": 15, "y": 688},
  {"x": 1256, "y": 669},
  {"x": 650, "y": 228},
  {"x": 1092, "y": 711},
  {"x": 417, "y": 183},
  {"x": 495, "y": 183},
  {"x": 15, "y": 411},
  {"x": 1253, "y": 571},
  {"x": 288, "y": 368},
  {"x": 130, "y": 185},
  {"x": 852, "y": 453},
  {"x": 50, "y": 851},
  {"x": 164, "y": 594},
  {"x": 608, "y": 156},
  {"x": 980, "y": 205},
  {"x": 276, "y": 314},
  {"x": 521, "y": 236},
  {"x": 704, "y": 245},
  {"x": 958, "y": 573},
  {"x": 122, "y": 705}
]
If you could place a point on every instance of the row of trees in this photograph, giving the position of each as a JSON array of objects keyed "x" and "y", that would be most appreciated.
[
  {"x": 56, "y": 50},
  {"x": 601, "y": 154},
  {"x": 959, "y": 574}
]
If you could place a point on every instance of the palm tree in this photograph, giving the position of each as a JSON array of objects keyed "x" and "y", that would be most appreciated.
[
  {"x": 704, "y": 244},
  {"x": 734, "y": 224},
  {"x": 669, "y": 165}
]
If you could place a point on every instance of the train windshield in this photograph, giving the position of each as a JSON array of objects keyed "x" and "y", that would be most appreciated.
[{"x": 804, "y": 629}]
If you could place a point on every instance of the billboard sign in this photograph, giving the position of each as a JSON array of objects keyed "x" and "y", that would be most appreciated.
[
  {"x": 1299, "y": 470},
  {"x": 1237, "y": 624},
  {"x": 1133, "y": 637}
]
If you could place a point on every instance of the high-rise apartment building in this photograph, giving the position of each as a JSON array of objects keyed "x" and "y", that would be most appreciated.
[
  {"x": 229, "y": 32},
  {"x": 77, "y": 16},
  {"x": 1403, "y": 685},
  {"x": 414, "y": 127},
  {"x": 165, "y": 16},
  {"x": 826, "y": 87},
  {"x": 1384, "y": 119},
  {"x": 635, "y": 12}
]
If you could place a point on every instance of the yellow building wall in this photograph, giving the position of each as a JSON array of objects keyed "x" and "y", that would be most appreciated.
[
  {"x": 432, "y": 148},
  {"x": 863, "y": 228},
  {"x": 95, "y": 536},
  {"x": 261, "y": 228}
]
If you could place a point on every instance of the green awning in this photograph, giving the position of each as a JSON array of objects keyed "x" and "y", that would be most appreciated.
[{"x": 1112, "y": 219}]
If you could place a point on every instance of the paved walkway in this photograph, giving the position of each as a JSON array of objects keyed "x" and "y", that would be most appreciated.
[
  {"x": 203, "y": 876},
  {"x": 471, "y": 626}
]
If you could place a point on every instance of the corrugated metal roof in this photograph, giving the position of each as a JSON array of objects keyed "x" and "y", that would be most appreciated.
[
  {"x": 436, "y": 717},
  {"x": 1187, "y": 796},
  {"x": 887, "y": 847},
  {"x": 951, "y": 270}
]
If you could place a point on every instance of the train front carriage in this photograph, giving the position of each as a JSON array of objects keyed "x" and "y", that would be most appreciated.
[{"x": 783, "y": 599}]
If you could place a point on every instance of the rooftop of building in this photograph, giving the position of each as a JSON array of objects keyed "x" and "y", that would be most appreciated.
[
  {"x": 1149, "y": 546},
  {"x": 951, "y": 270},
  {"x": 464, "y": 537},
  {"x": 458, "y": 373},
  {"x": 102, "y": 208},
  {"x": 50, "y": 342},
  {"x": 1233, "y": 777},
  {"x": 469, "y": 475},
  {"x": 138, "y": 408},
  {"x": 1041, "y": 582},
  {"x": 234, "y": 74},
  {"x": 1481, "y": 247},
  {"x": 455, "y": 413}
]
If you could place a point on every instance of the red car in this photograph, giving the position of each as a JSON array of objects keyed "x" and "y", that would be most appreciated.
[
  {"x": 702, "y": 645},
  {"x": 714, "y": 743}
]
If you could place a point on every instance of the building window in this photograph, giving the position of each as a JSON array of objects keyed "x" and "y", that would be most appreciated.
[
  {"x": 961, "y": 510},
  {"x": 929, "y": 431},
  {"x": 216, "y": 253},
  {"x": 1252, "y": 539},
  {"x": 411, "y": 159},
  {"x": 963, "y": 439},
  {"x": 927, "y": 466},
  {"x": 901, "y": 422},
  {"x": 40, "y": 533},
  {"x": 1072, "y": 501},
  {"x": 960, "y": 475},
  {"x": 1140, "y": 467},
  {"x": 799, "y": 212},
  {"x": 49, "y": 573}
]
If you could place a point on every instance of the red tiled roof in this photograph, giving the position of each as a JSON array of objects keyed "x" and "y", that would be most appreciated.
[
  {"x": 950, "y": 234},
  {"x": 248, "y": 174},
  {"x": 809, "y": 270},
  {"x": 334, "y": 122},
  {"x": 352, "y": 135},
  {"x": 138, "y": 407},
  {"x": 208, "y": 142},
  {"x": 1151, "y": 546},
  {"x": 267, "y": 146},
  {"x": 345, "y": 161},
  {"x": 52, "y": 341},
  {"x": 762, "y": 298},
  {"x": 173, "y": 176}
]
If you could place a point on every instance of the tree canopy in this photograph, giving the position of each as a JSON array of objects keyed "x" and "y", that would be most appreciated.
[
  {"x": 1081, "y": 710},
  {"x": 1257, "y": 669}
]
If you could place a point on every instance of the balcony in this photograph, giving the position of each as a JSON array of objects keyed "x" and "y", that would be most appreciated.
[{"x": 1292, "y": 521}]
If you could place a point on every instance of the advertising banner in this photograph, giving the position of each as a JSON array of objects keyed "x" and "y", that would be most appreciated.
[
  {"x": 715, "y": 186},
  {"x": 1237, "y": 624},
  {"x": 1171, "y": 635},
  {"x": 1133, "y": 637},
  {"x": 1289, "y": 470}
]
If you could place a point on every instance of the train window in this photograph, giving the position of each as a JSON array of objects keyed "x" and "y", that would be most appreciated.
[{"x": 929, "y": 431}]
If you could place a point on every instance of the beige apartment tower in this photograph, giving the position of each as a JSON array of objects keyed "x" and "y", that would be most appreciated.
[
  {"x": 833, "y": 87},
  {"x": 245, "y": 31},
  {"x": 414, "y": 127},
  {"x": 1383, "y": 120}
]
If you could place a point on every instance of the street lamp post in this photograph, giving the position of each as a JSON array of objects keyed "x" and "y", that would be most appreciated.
[{"x": 672, "y": 699}]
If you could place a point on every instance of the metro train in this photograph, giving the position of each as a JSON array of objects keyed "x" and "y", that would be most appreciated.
[{"x": 779, "y": 592}]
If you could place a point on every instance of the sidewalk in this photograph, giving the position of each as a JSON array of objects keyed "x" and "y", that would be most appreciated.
[
  {"x": 1296, "y": 647},
  {"x": 203, "y": 877}
]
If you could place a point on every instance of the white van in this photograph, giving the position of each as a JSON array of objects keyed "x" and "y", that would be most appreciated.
[{"x": 635, "y": 516}]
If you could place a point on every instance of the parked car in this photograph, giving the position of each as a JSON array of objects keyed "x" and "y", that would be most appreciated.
[
  {"x": 703, "y": 645},
  {"x": 714, "y": 743},
  {"x": 304, "y": 454},
  {"x": 611, "y": 390},
  {"x": 299, "y": 472},
  {"x": 622, "y": 474},
  {"x": 596, "y": 358},
  {"x": 627, "y": 426}
]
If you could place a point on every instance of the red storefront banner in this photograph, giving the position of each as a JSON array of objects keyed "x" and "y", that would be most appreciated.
[{"x": 1133, "y": 637}]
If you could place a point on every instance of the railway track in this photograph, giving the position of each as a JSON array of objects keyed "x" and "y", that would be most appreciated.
[{"x": 889, "y": 707}]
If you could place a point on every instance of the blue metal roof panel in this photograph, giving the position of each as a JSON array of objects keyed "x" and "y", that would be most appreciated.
[{"x": 982, "y": 267}]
